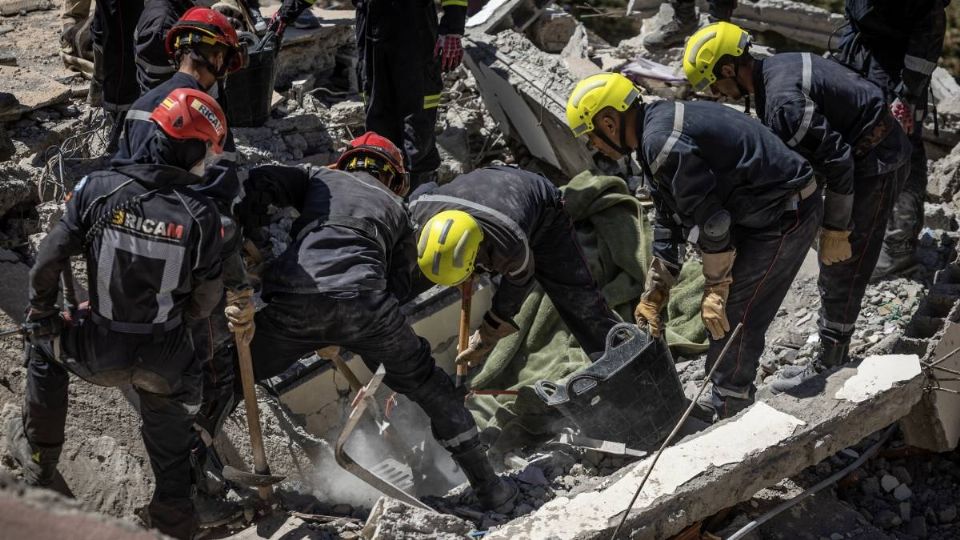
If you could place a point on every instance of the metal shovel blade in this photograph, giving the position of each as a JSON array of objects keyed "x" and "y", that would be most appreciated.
[{"x": 249, "y": 479}]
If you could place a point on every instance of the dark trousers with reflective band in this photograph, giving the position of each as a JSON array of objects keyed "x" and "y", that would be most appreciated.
[
  {"x": 167, "y": 419},
  {"x": 216, "y": 354},
  {"x": 842, "y": 285},
  {"x": 402, "y": 83},
  {"x": 767, "y": 262},
  {"x": 114, "y": 23},
  {"x": 563, "y": 272},
  {"x": 368, "y": 323}
]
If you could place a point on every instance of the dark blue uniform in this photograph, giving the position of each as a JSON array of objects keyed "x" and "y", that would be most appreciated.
[
  {"x": 113, "y": 27},
  {"x": 152, "y": 247},
  {"x": 154, "y": 66},
  {"x": 723, "y": 181},
  {"x": 896, "y": 45},
  {"x": 840, "y": 122},
  {"x": 527, "y": 237}
]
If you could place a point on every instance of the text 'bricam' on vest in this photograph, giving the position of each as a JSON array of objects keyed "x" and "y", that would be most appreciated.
[{"x": 128, "y": 220}]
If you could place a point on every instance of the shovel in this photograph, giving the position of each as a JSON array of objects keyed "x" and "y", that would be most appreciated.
[
  {"x": 463, "y": 341},
  {"x": 261, "y": 478}
]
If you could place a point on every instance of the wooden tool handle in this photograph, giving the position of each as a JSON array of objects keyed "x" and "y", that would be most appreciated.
[
  {"x": 466, "y": 299},
  {"x": 253, "y": 413}
]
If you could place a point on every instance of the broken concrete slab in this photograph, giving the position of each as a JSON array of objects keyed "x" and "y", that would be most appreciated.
[
  {"x": 16, "y": 7},
  {"x": 552, "y": 30},
  {"x": 526, "y": 92},
  {"x": 934, "y": 423},
  {"x": 317, "y": 51},
  {"x": 731, "y": 461},
  {"x": 498, "y": 15},
  {"x": 798, "y": 21},
  {"x": 392, "y": 519},
  {"x": 944, "y": 178},
  {"x": 32, "y": 89}
]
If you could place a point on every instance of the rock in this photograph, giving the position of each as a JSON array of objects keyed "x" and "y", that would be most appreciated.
[
  {"x": 887, "y": 519},
  {"x": 889, "y": 483},
  {"x": 905, "y": 511},
  {"x": 944, "y": 177},
  {"x": 533, "y": 476},
  {"x": 553, "y": 29},
  {"x": 836, "y": 536},
  {"x": 902, "y": 493},
  {"x": 522, "y": 509},
  {"x": 391, "y": 518},
  {"x": 870, "y": 486},
  {"x": 902, "y": 475},
  {"x": 947, "y": 514},
  {"x": 917, "y": 527}
]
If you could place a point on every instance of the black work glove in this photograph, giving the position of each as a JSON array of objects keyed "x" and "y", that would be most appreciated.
[
  {"x": 253, "y": 210},
  {"x": 42, "y": 325}
]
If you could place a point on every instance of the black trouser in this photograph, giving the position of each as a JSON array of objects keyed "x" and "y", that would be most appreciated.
[
  {"x": 767, "y": 262},
  {"x": 216, "y": 353},
  {"x": 402, "y": 82},
  {"x": 166, "y": 360},
  {"x": 368, "y": 323},
  {"x": 562, "y": 270},
  {"x": 719, "y": 9},
  {"x": 114, "y": 23},
  {"x": 843, "y": 284}
]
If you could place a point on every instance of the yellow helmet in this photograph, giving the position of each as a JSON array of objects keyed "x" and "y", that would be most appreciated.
[
  {"x": 448, "y": 247},
  {"x": 595, "y": 93},
  {"x": 707, "y": 46}
]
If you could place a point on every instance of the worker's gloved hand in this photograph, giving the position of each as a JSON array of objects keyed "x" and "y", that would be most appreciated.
[
  {"x": 231, "y": 11},
  {"x": 660, "y": 278},
  {"x": 239, "y": 313},
  {"x": 903, "y": 111},
  {"x": 42, "y": 325},
  {"x": 491, "y": 331},
  {"x": 718, "y": 274},
  {"x": 449, "y": 50},
  {"x": 253, "y": 211},
  {"x": 278, "y": 23},
  {"x": 834, "y": 246}
]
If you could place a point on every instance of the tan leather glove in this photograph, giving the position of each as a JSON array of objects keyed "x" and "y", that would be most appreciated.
[
  {"x": 718, "y": 271},
  {"x": 834, "y": 246},
  {"x": 656, "y": 292},
  {"x": 491, "y": 331},
  {"x": 239, "y": 313}
]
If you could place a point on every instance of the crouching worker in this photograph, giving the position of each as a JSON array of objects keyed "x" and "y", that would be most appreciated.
[
  {"x": 724, "y": 182},
  {"x": 341, "y": 282},
  {"x": 152, "y": 247},
  {"x": 840, "y": 123},
  {"x": 509, "y": 222}
]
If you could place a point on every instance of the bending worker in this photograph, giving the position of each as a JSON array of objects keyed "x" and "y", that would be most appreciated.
[
  {"x": 841, "y": 124},
  {"x": 152, "y": 247},
  {"x": 511, "y": 222},
  {"x": 896, "y": 45},
  {"x": 341, "y": 282},
  {"x": 724, "y": 182}
]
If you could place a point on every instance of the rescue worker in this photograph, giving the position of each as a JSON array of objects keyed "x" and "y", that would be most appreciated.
[
  {"x": 152, "y": 247},
  {"x": 509, "y": 222},
  {"x": 72, "y": 18},
  {"x": 403, "y": 51},
  {"x": 724, "y": 182},
  {"x": 204, "y": 47},
  {"x": 154, "y": 64},
  {"x": 342, "y": 281},
  {"x": 685, "y": 22},
  {"x": 114, "y": 70},
  {"x": 896, "y": 45},
  {"x": 841, "y": 124}
]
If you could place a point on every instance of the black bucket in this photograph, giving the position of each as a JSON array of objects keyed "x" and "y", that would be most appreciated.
[
  {"x": 250, "y": 90},
  {"x": 631, "y": 395}
]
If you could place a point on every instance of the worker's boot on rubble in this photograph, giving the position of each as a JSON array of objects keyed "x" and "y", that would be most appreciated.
[
  {"x": 893, "y": 263},
  {"x": 833, "y": 353},
  {"x": 38, "y": 463},
  {"x": 675, "y": 31},
  {"x": 211, "y": 508},
  {"x": 716, "y": 403},
  {"x": 494, "y": 493}
]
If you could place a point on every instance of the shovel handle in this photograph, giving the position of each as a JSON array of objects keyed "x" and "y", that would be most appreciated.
[
  {"x": 466, "y": 299},
  {"x": 253, "y": 413}
]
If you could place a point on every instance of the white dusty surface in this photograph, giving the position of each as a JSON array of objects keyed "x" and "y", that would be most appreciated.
[
  {"x": 878, "y": 373},
  {"x": 759, "y": 428}
]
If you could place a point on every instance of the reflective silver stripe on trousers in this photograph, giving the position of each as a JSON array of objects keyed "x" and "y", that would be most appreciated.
[
  {"x": 839, "y": 327},
  {"x": 672, "y": 140},
  {"x": 461, "y": 438},
  {"x": 171, "y": 255},
  {"x": 809, "y": 107},
  {"x": 500, "y": 216},
  {"x": 920, "y": 65}
]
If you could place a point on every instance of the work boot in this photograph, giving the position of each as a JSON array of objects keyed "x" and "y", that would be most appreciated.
[
  {"x": 833, "y": 353},
  {"x": 259, "y": 23},
  {"x": 495, "y": 494},
  {"x": 306, "y": 21},
  {"x": 893, "y": 263},
  {"x": 676, "y": 31},
  {"x": 39, "y": 464},
  {"x": 716, "y": 404},
  {"x": 215, "y": 511}
]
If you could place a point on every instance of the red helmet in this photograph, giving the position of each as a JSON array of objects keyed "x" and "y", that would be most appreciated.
[
  {"x": 376, "y": 154},
  {"x": 191, "y": 114},
  {"x": 204, "y": 25}
]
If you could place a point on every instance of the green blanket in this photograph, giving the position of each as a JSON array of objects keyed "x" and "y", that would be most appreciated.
[{"x": 616, "y": 238}]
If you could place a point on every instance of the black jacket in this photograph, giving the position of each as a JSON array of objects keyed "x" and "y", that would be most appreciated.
[
  {"x": 713, "y": 168},
  {"x": 507, "y": 203},
  {"x": 904, "y": 37},
  {"x": 822, "y": 110},
  {"x": 153, "y": 65},
  {"x": 152, "y": 246},
  {"x": 353, "y": 234},
  {"x": 382, "y": 20}
]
